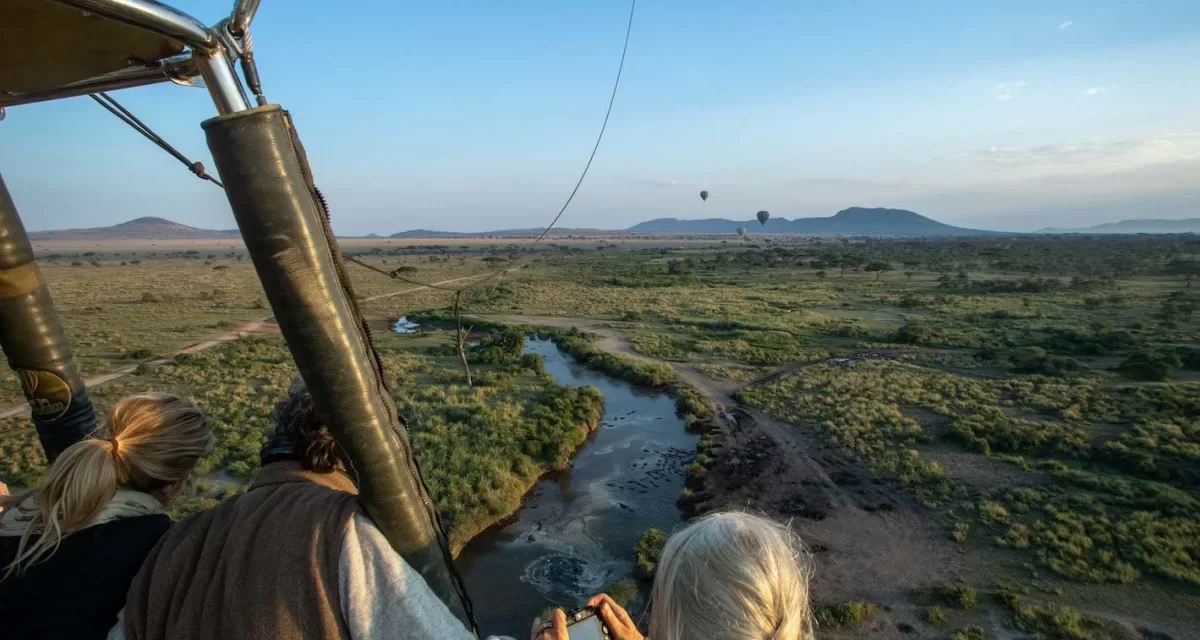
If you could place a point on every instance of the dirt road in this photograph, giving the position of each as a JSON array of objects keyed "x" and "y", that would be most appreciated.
[{"x": 264, "y": 325}]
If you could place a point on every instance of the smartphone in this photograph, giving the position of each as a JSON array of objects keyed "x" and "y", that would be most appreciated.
[{"x": 585, "y": 624}]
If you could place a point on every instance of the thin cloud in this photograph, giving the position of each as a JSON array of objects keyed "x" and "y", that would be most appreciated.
[
  {"x": 850, "y": 183},
  {"x": 1093, "y": 156},
  {"x": 1095, "y": 91},
  {"x": 1066, "y": 25},
  {"x": 1006, "y": 91}
]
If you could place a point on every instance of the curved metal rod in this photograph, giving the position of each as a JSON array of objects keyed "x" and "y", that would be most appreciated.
[
  {"x": 223, "y": 84},
  {"x": 175, "y": 69},
  {"x": 152, "y": 16},
  {"x": 243, "y": 14}
]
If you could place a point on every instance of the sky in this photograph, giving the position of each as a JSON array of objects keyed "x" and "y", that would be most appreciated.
[{"x": 476, "y": 115}]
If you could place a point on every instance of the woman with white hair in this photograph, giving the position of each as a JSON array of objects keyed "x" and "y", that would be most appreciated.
[{"x": 727, "y": 576}]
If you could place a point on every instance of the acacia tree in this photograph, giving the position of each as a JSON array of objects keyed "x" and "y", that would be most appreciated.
[
  {"x": 461, "y": 337},
  {"x": 853, "y": 262},
  {"x": 878, "y": 267}
]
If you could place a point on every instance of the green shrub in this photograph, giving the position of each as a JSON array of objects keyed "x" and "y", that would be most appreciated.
[
  {"x": 993, "y": 513},
  {"x": 959, "y": 596},
  {"x": 934, "y": 616},
  {"x": 1149, "y": 365},
  {"x": 646, "y": 374},
  {"x": 533, "y": 362},
  {"x": 1161, "y": 449},
  {"x": 691, "y": 405},
  {"x": 647, "y": 551},
  {"x": 622, "y": 592},
  {"x": 971, "y": 633},
  {"x": 1054, "y": 622},
  {"x": 1035, "y": 360},
  {"x": 846, "y": 615},
  {"x": 915, "y": 332},
  {"x": 184, "y": 508},
  {"x": 989, "y": 430}
]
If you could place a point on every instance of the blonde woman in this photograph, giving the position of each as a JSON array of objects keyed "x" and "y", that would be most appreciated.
[
  {"x": 70, "y": 547},
  {"x": 727, "y": 576}
]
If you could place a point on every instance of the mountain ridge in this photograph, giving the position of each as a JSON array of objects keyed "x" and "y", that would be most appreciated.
[
  {"x": 1149, "y": 225},
  {"x": 851, "y": 221},
  {"x": 507, "y": 233},
  {"x": 144, "y": 228}
]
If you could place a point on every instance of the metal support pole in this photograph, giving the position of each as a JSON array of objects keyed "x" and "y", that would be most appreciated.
[
  {"x": 270, "y": 191},
  {"x": 223, "y": 85},
  {"x": 34, "y": 342}
]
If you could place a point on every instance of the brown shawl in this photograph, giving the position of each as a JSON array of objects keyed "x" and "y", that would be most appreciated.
[{"x": 263, "y": 564}]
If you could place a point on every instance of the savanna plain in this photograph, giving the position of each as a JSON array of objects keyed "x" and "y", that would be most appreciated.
[{"x": 991, "y": 437}]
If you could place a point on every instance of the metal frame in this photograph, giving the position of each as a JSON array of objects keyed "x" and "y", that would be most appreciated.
[
  {"x": 209, "y": 57},
  {"x": 270, "y": 189},
  {"x": 243, "y": 14},
  {"x": 180, "y": 69},
  {"x": 223, "y": 84},
  {"x": 152, "y": 16}
]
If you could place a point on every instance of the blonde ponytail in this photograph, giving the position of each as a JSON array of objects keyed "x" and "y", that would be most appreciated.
[{"x": 153, "y": 443}]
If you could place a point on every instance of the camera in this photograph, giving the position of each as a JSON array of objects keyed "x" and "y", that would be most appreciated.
[{"x": 584, "y": 624}]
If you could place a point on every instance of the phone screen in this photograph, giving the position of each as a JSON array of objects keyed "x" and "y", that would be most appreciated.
[{"x": 587, "y": 629}]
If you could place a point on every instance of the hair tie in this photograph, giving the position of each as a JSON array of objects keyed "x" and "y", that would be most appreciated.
[{"x": 116, "y": 448}]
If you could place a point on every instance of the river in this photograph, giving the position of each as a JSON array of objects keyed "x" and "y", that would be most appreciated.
[{"x": 575, "y": 531}]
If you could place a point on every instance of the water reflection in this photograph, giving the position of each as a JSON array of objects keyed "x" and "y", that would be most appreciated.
[
  {"x": 404, "y": 325},
  {"x": 575, "y": 532}
]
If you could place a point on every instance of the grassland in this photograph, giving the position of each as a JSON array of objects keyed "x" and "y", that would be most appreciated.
[{"x": 1037, "y": 397}]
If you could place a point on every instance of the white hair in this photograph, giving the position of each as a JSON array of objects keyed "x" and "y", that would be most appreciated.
[{"x": 732, "y": 576}]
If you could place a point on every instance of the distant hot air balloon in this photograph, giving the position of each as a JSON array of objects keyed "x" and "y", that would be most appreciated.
[
  {"x": 763, "y": 216},
  {"x": 741, "y": 231},
  {"x": 704, "y": 195}
]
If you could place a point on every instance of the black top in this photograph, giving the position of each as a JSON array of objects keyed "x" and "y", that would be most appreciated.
[{"x": 79, "y": 590}]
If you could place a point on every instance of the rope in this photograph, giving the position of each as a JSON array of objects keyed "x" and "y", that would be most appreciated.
[
  {"x": 611, "y": 99},
  {"x": 115, "y": 108},
  {"x": 603, "y": 127},
  {"x": 396, "y": 276},
  {"x": 123, "y": 114}
]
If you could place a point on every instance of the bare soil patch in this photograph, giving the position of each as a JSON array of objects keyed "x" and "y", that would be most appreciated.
[
  {"x": 869, "y": 540},
  {"x": 978, "y": 473}
]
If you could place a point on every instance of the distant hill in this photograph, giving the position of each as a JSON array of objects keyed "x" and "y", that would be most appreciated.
[
  {"x": 1187, "y": 225},
  {"x": 503, "y": 233},
  {"x": 852, "y": 221},
  {"x": 137, "y": 229}
]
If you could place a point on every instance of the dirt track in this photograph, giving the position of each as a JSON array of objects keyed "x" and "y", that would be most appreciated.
[{"x": 264, "y": 325}]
